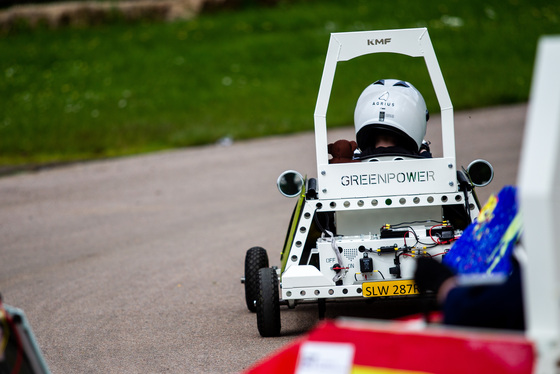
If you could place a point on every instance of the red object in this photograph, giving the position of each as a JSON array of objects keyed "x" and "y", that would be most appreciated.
[{"x": 406, "y": 346}]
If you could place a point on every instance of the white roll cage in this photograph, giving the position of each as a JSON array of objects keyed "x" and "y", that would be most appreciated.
[{"x": 411, "y": 42}]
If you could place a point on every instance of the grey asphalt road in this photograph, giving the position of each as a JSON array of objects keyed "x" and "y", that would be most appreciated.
[{"x": 133, "y": 265}]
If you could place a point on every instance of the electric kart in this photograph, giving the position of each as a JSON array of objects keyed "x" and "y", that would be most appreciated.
[{"x": 358, "y": 228}]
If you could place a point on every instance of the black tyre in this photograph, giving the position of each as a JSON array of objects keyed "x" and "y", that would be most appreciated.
[
  {"x": 268, "y": 303},
  {"x": 255, "y": 259}
]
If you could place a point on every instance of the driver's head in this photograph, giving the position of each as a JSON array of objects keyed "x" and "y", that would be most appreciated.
[{"x": 391, "y": 108}]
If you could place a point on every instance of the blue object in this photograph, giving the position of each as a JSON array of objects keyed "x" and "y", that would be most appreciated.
[{"x": 487, "y": 244}]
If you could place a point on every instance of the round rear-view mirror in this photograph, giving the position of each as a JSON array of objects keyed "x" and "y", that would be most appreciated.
[
  {"x": 480, "y": 172},
  {"x": 290, "y": 183}
]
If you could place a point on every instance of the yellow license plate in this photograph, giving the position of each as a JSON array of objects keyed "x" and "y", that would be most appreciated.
[{"x": 389, "y": 288}]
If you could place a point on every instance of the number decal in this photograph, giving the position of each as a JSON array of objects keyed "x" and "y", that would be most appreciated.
[{"x": 389, "y": 288}]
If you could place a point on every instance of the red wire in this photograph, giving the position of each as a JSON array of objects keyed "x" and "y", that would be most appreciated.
[
  {"x": 431, "y": 237},
  {"x": 405, "y": 234}
]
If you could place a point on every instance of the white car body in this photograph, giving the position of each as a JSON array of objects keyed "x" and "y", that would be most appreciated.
[
  {"x": 380, "y": 214},
  {"x": 367, "y": 195}
]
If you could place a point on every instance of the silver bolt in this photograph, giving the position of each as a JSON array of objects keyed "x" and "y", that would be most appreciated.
[
  {"x": 451, "y": 184},
  {"x": 323, "y": 172},
  {"x": 450, "y": 166},
  {"x": 324, "y": 190}
]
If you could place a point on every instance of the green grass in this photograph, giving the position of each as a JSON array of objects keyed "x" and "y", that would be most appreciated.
[{"x": 118, "y": 89}]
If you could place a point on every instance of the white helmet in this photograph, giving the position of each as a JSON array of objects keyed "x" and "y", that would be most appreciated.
[{"x": 393, "y": 107}]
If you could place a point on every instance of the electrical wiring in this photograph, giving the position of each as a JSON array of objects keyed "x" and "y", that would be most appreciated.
[
  {"x": 430, "y": 245},
  {"x": 398, "y": 225},
  {"x": 339, "y": 274},
  {"x": 438, "y": 241},
  {"x": 375, "y": 271},
  {"x": 411, "y": 230},
  {"x": 430, "y": 233},
  {"x": 434, "y": 242},
  {"x": 318, "y": 222},
  {"x": 406, "y": 251}
]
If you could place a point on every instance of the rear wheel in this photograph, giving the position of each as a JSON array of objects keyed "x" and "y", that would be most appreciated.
[
  {"x": 268, "y": 303},
  {"x": 255, "y": 259}
]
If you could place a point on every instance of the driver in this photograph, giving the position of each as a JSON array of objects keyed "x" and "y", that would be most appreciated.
[{"x": 390, "y": 119}]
